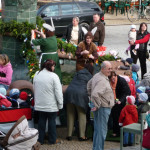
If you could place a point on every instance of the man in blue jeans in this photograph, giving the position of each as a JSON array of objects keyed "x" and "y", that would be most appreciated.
[{"x": 103, "y": 98}]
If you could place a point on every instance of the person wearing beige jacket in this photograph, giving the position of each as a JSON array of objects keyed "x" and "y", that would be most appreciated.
[{"x": 102, "y": 96}]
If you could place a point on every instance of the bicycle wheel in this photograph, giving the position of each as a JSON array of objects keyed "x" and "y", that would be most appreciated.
[
  {"x": 147, "y": 12},
  {"x": 133, "y": 14}
]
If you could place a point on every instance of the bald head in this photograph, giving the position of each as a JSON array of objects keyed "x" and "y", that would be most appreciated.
[{"x": 106, "y": 68}]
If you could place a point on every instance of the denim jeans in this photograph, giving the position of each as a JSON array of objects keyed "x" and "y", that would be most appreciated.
[
  {"x": 43, "y": 117},
  {"x": 126, "y": 138},
  {"x": 101, "y": 117}
]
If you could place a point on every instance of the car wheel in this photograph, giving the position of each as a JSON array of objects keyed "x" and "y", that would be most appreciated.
[{"x": 85, "y": 25}]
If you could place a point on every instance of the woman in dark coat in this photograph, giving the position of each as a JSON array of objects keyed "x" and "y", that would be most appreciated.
[
  {"x": 76, "y": 98},
  {"x": 121, "y": 91},
  {"x": 142, "y": 51}
]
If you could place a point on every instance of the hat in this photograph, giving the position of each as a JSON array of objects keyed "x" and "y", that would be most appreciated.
[
  {"x": 23, "y": 96},
  {"x": 135, "y": 67},
  {"x": 133, "y": 26},
  {"x": 14, "y": 93},
  {"x": 129, "y": 60},
  {"x": 130, "y": 100},
  {"x": 3, "y": 91},
  {"x": 143, "y": 97},
  {"x": 141, "y": 89}
]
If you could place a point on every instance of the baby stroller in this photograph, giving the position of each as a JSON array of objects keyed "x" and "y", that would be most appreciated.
[{"x": 21, "y": 137}]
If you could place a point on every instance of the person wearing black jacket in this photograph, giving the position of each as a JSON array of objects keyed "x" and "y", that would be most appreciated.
[
  {"x": 142, "y": 51},
  {"x": 121, "y": 90},
  {"x": 74, "y": 32}
]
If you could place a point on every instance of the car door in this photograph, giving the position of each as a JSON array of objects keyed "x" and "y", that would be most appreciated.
[{"x": 51, "y": 11}]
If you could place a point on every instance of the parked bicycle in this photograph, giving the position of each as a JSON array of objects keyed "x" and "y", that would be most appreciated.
[{"x": 135, "y": 14}]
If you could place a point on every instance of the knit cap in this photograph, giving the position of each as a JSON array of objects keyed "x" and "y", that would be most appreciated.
[
  {"x": 143, "y": 97},
  {"x": 130, "y": 100},
  {"x": 129, "y": 60},
  {"x": 141, "y": 89},
  {"x": 23, "y": 96},
  {"x": 14, "y": 93},
  {"x": 133, "y": 26},
  {"x": 135, "y": 67},
  {"x": 3, "y": 91}
]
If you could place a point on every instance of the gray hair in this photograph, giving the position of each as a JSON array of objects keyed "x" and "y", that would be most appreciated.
[
  {"x": 77, "y": 18},
  {"x": 104, "y": 64}
]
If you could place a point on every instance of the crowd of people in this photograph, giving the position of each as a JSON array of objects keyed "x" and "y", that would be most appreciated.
[{"x": 119, "y": 98}]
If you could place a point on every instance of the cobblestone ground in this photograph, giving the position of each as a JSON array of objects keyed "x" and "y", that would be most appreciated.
[{"x": 75, "y": 144}]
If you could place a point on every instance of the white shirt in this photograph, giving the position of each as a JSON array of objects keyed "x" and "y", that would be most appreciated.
[{"x": 74, "y": 33}]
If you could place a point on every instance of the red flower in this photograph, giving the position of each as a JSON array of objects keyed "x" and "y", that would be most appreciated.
[{"x": 32, "y": 64}]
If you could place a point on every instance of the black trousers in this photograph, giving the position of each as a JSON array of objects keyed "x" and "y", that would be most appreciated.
[
  {"x": 142, "y": 58},
  {"x": 115, "y": 112}
]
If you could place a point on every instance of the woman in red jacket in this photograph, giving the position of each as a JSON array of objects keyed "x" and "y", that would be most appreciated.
[{"x": 128, "y": 116}]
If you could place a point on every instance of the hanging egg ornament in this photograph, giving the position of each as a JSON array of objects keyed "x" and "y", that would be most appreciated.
[
  {"x": 30, "y": 70},
  {"x": 27, "y": 61}
]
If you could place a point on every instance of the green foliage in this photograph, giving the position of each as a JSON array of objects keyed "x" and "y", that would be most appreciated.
[
  {"x": 67, "y": 47},
  {"x": 67, "y": 77},
  {"x": 107, "y": 57}
]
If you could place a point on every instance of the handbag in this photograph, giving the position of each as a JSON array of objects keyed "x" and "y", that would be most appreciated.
[{"x": 146, "y": 138}]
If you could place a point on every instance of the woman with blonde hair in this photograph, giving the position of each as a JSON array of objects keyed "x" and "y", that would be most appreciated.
[{"x": 6, "y": 71}]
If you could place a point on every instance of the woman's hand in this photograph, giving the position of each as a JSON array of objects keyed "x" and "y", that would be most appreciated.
[
  {"x": 85, "y": 52},
  {"x": 40, "y": 33},
  {"x": 91, "y": 56}
]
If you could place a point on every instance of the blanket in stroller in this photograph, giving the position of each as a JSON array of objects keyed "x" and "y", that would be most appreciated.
[{"x": 20, "y": 136}]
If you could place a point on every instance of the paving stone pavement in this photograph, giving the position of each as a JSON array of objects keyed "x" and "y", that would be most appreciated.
[{"x": 111, "y": 20}]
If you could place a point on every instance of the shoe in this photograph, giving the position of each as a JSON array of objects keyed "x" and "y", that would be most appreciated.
[
  {"x": 134, "y": 52},
  {"x": 125, "y": 145},
  {"x": 130, "y": 144},
  {"x": 83, "y": 139},
  {"x": 69, "y": 138}
]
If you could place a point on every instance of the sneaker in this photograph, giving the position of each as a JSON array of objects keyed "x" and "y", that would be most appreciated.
[
  {"x": 134, "y": 52},
  {"x": 126, "y": 52}
]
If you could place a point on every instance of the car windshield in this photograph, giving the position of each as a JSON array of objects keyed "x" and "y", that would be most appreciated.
[{"x": 40, "y": 9}]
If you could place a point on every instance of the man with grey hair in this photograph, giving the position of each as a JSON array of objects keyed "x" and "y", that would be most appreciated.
[
  {"x": 102, "y": 96},
  {"x": 74, "y": 32}
]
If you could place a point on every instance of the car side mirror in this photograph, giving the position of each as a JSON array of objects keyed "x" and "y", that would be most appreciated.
[{"x": 43, "y": 15}]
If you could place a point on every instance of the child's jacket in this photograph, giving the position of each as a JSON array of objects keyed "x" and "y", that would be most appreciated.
[{"x": 128, "y": 115}]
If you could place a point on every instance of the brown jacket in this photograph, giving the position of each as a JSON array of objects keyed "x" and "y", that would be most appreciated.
[
  {"x": 100, "y": 33},
  {"x": 100, "y": 91},
  {"x": 83, "y": 59}
]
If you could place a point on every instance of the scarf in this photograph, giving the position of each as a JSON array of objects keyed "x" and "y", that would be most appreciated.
[{"x": 113, "y": 86}]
